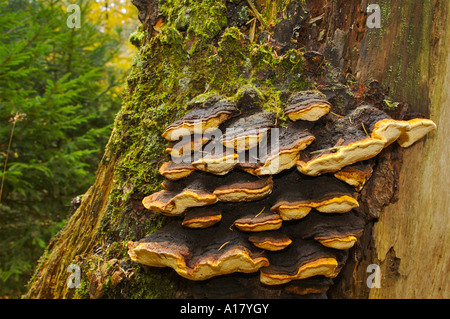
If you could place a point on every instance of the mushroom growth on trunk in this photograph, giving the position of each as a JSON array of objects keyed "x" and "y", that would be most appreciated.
[{"x": 281, "y": 199}]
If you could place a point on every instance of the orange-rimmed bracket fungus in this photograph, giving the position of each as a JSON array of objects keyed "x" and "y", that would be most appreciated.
[
  {"x": 359, "y": 136},
  {"x": 200, "y": 120},
  {"x": 307, "y": 106}
]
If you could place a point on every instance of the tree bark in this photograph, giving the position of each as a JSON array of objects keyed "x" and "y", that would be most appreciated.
[{"x": 409, "y": 54}]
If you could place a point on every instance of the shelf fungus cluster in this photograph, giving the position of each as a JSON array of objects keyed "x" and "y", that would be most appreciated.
[{"x": 248, "y": 195}]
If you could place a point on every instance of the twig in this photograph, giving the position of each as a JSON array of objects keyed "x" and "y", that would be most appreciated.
[
  {"x": 256, "y": 13},
  {"x": 252, "y": 31},
  {"x": 6, "y": 159},
  {"x": 260, "y": 212},
  {"x": 325, "y": 150},
  {"x": 365, "y": 129},
  {"x": 354, "y": 270},
  {"x": 223, "y": 245},
  {"x": 17, "y": 118},
  {"x": 336, "y": 114}
]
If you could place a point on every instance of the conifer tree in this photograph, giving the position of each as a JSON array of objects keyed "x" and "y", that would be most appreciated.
[{"x": 58, "y": 97}]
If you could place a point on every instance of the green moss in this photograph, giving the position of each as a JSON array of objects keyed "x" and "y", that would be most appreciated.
[
  {"x": 83, "y": 291},
  {"x": 151, "y": 285},
  {"x": 385, "y": 12},
  {"x": 200, "y": 19},
  {"x": 41, "y": 262},
  {"x": 263, "y": 57},
  {"x": 233, "y": 46},
  {"x": 391, "y": 105},
  {"x": 137, "y": 37}
]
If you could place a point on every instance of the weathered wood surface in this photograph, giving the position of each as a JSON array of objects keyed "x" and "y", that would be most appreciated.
[{"x": 410, "y": 55}]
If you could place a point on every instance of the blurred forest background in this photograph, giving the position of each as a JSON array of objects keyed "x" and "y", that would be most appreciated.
[{"x": 60, "y": 88}]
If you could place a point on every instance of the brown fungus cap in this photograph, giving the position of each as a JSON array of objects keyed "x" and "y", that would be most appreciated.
[
  {"x": 201, "y": 217},
  {"x": 311, "y": 285},
  {"x": 259, "y": 222},
  {"x": 185, "y": 146},
  {"x": 346, "y": 155},
  {"x": 175, "y": 171},
  {"x": 418, "y": 128},
  {"x": 243, "y": 187},
  {"x": 333, "y": 231},
  {"x": 282, "y": 155},
  {"x": 246, "y": 132},
  {"x": 200, "y": 120},
  {"x": 216, "y": 159},
  {"x": 356, "y": 175},
  {"x": 270, "y": 240},
  {"x": 302, "y": 259},
  {"x": 174, "y": 203},
  {"x": 389, "y": 130},
  {"x": 307, "y": 106},
  {"x": 196, "y": 179},
  {"x": 299, "y": 209},
  {"x": 325, "y": 194},
  {"x": 236, "y": 186},
  {"x": 199, "y": 254},
  {"x": 346, "y": 141},
  {"x": 359, "y": 136}
]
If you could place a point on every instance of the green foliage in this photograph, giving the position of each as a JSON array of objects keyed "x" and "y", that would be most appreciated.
[{"x": 58, "y": 97}]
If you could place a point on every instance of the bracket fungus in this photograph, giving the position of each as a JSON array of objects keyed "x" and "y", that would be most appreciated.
[
  {"x": 356, "y": 175},
  {"x": 324, "y": 194},
  {"x": 272, "y": 241},
  {"x": 174, "y": 171},
  {"x": 307, "y": 106},
  {"x": 417, "y": 129},
  {"x": 200, "y": 120},
  {"x": 261, "y": 222},
  {"x": 201, "y": 218},
  {"x": 216, "y": 159},
  {"x": 282, "y": 152},
  {"x": 281, "y": 200},
  {"x": 186, "y": 145},
  {"x": 175, "y": 203},
  {"x": 302, "y": 259},
  {"x": 359, "y": 136},
  {"x": 335, "y": 231},
  {"x": 199, "y": 254},
  {"x": 244, "y": 189},
  {"x": 246, "y": 132}
]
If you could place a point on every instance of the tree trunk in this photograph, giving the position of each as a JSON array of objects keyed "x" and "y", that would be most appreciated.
[
  {"x": 410, "y": 55},
  {"x": 197, "y": 49}
]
